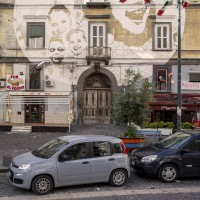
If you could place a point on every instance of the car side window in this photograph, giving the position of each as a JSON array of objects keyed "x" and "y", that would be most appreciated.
[
  {"x": 75, "y": 152},
  {"x": 101, "y": 149},
  {"x": 194, "y": 146},
  {"x": 118, "y": 148}
]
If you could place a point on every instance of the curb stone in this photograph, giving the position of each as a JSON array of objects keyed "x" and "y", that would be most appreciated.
[{"x": 3, "y": 169}]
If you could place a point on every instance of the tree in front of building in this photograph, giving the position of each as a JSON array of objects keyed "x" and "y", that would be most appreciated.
[{"x": 131, "y": 102}]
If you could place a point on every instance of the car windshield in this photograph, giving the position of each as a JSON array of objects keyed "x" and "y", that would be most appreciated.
[
  {"x": 173, "y": 141},
  {"x": 49, "y": 149}
]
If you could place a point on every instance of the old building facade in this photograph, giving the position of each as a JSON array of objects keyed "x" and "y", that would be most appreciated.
[{"x": 62, "y": 60}]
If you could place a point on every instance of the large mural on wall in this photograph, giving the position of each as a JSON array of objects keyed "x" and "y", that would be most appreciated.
[
  {"x": 132, "y": 29},
  {"x": 66, "y": 29}
]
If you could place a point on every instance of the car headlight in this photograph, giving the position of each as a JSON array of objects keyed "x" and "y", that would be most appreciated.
[
  {"x": 148, "y": 159},
  {"x": 24, "y": 166}
]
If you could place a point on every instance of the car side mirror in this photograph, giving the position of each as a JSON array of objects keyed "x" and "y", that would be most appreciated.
[
  {"x": 185, "y": 151},
  {"x": 63, "y": 157}
]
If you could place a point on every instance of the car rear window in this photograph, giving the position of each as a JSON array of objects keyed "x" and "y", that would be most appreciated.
[
  {"x": 101, "y": 149},
  {"x": 118, "y": 148}
]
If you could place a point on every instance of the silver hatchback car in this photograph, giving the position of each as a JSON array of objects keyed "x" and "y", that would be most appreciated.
[{"x": 71, "y": 160}]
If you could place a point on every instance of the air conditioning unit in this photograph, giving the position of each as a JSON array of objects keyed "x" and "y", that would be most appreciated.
[
  {"x": 49, "y": 83},
  {"x": 2, "y": 84}
]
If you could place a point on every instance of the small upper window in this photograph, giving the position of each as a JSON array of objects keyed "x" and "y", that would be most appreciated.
[
  {"x": 194, "y": 77},
  {"x": 34, "y": 77},
  {"x": 36, "y": 33},
  {"x": 162, "y": 36}
]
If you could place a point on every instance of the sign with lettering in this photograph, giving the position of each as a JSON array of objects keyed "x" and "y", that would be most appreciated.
[
  {"x": 190, "y": 85},
  {"x": 174, "y": 107},
  {"x": 15, "y": 82},
  {"x": 39, "y": 93}
]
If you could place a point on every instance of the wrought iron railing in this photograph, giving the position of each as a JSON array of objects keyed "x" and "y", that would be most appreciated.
[
  {"x": 98, "y": 52},
  {"x": 98, "y": 1},
  {"x": 162, "y": 86}
]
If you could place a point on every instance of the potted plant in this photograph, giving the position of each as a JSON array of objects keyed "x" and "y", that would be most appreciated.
[
  {"x": 131, "y": 106},
  {"x": 131, "y": 139}
]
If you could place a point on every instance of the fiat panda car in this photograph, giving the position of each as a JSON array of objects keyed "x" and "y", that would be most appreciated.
[{"x": 71, "y": 160}]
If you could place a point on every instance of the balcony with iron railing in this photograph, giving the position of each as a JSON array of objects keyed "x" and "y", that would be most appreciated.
[
  {"x": 98, "y": 54},
  {"x": 162, "y": 86},
  {"x": 98, "y": 3}
]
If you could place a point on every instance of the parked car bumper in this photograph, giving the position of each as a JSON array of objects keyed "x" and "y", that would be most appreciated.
[
  {"x": 19, "y": 179},
  {"x": 147, "y": 169}
]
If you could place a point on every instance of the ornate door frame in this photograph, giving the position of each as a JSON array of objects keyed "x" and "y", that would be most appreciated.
[{"x": 80, "y": 87}]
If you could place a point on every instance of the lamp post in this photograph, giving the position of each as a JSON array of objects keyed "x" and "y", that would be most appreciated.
[{"x": 179, "y": 97}]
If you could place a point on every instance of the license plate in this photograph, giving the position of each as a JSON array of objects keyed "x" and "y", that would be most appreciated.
[
  {"x": 9, "y": 174},
  {"x": 133, "y": 163}
]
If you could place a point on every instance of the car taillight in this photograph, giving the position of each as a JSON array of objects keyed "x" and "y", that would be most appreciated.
[{"x": 124, "y": 147}]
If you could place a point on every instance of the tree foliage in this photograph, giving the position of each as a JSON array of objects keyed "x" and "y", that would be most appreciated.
[{"x": 131, "y": 104}]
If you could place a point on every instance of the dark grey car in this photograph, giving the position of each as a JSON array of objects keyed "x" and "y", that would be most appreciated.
[
  {"x": 71, "y": 160},
  {"x": 175, "y": 156}
]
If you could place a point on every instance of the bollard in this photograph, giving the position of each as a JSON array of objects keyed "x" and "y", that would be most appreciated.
[{"x": 7, "y": 159}]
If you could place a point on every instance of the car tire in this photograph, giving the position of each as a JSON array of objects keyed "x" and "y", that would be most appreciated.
[
  {"x": 118, "y": 178},
  {"x": 168, "y": 173},
  {"x": 42, "y": 185}
]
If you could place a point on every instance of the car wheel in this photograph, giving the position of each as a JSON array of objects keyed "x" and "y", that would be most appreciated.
[
  {"x": 168, "y": 173},
  {"x": 42, "y": 184},
  {"x": 118, "y": 178}
]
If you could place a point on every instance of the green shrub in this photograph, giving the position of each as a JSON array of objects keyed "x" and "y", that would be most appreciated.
[
  {"x": 130, "y": 133},
  {"x": 160, "y": 124},
  {"x": 187, "y": 125}
]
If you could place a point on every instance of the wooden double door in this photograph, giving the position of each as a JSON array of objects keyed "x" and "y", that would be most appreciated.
[{"x": 97, "y": 106}]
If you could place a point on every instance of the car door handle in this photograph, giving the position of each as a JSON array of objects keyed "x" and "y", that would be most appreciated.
[
  {"x": 86, "y": 162},
  {"x": 111, "y": 159}
]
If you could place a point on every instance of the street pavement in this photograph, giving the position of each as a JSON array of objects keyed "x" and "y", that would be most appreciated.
[
  {"x": 14, "y": 144},
  {"x": 137, "y": 187}
]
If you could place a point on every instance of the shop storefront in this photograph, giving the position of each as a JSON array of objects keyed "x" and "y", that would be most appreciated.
[
  {"x": 164, "y": 108},
  {"x": 39, "y": 107}
]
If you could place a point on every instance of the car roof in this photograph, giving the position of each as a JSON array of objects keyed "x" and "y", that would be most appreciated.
[
  {"x": 191, "y": 131},
  {"x": 89, "y": 138}
]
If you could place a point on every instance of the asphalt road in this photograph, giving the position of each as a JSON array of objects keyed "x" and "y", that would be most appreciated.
[{"x": 140, "y": 188}]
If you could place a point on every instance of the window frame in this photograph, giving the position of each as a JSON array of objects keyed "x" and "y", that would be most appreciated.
[
  {"x": 66, "y": 149},
  {"x": 29, "y": 78},
  {"x": 191, "y": 143},
  {"x": 91, "y": 35},
  {"x": 194, "y": 73},
  {"x": 28, "y": 34},
  {"x": 92, "y": 149},
  {"x": 168, "y": 25},
  {"x": 168, "y": 86}
]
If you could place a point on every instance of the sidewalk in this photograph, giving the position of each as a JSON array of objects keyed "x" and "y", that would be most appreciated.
[{"x": 14, "y": 144}]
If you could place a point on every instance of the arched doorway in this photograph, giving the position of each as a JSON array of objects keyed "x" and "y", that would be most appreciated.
[
  {"x": 97, "y": 99},
  {"x": 95, "y": 89}
]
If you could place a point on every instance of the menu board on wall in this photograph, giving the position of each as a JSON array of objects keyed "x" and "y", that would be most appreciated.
[{"x": 15, "y": 82}]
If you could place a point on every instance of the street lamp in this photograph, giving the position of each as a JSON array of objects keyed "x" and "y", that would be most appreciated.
[{"x": 179, "y": 97}]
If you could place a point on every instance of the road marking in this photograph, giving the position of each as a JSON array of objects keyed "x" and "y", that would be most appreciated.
[{"x": 79, "y": 195}]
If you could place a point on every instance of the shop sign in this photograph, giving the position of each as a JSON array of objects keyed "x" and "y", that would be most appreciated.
[
  {"x": 173, "y": 108},
  {"x": 40, "y": 93},
  {"x": 190, "y": 86},
  {"x": 15, "y": 82}
]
